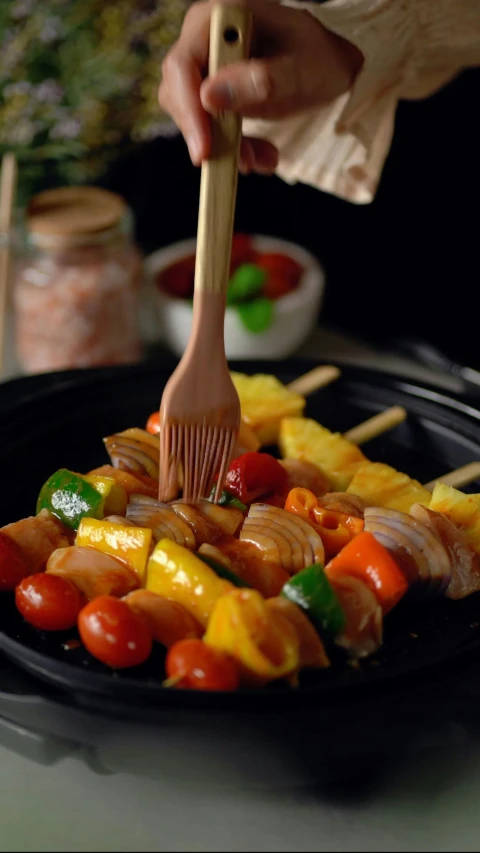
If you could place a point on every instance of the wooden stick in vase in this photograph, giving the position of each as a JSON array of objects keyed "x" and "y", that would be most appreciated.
[{"x": 8, "y": 182}]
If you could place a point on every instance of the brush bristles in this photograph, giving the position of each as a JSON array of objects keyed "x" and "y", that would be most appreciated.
[{"x": 203, "y": 452}]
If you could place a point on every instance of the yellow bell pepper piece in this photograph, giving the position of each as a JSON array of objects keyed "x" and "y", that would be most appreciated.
[
  {"x": 174, "y": 572},
  {"x": 114, "y": 495},
  {"x": 131, "y": 544},
  {"x": 264, "y": 643}
]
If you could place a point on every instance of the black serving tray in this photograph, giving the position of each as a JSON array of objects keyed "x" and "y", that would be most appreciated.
[{"x": 426, "y": 671}]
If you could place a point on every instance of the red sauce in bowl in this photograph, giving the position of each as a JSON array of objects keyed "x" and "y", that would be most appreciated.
[{"x": 283, "y": 272}]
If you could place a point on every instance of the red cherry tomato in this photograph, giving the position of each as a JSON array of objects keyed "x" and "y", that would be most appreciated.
[
  {"x": 277, "y": 286},
  {"x": 276, "y": 262},
  {"x": 153, "y": 423},
  {"x": 242, "y": 251},
  {"x": 283, "y": 273},
  {"x": 49, "y": 602},
  {"x": 13, "y": 566},
  {"x": 254, "y": 474},
  {"x": 200, "y": 667},
  {"x": 113, "y": 633},
  {"x": 177, "y": 279}
]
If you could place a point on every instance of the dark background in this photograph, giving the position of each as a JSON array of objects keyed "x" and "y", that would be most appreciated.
[{"x": 405, "y": 265}]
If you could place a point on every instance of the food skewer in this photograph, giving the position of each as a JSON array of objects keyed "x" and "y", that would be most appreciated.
[{"x": 433, "y": 550}]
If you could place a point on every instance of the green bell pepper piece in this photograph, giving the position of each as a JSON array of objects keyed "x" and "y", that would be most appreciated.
[
  {"x": 222, "y": 571},
  {"x": 256, "y": 315},
  {"x": 246, "y": 282},
  {"x": 310, "y": 589},
  {"x": 70, "y": 498},
  {"x": 227, "y": 499}
]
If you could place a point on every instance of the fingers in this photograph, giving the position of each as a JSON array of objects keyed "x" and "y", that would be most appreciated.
[
  {"x": 252, "y": 88},
  {"x": 179, "y": 95},
  {"x": 182, "y": 74},
  {"x": 258, "y": 155}
]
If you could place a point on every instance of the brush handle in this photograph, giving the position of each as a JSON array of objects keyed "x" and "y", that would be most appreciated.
[{"x": 230, "y": 28}]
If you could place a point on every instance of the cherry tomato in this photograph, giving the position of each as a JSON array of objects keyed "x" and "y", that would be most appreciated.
[
  {"x": 177, "y": 279},
  {"x": 242, "y": 251},
  {"x": 283, "y": 273},
  {"x": 254, "y": 474},
  {"x": 13, "y": 566},
  {"x": 279, "y": 264},
  {"x": 113, "y": 633},
  {"x": 277, "y": 286},
  {"x": 153, "y": 423},
  {"x": 49, "y": 602},
  {"x": 200, "y": 667}
]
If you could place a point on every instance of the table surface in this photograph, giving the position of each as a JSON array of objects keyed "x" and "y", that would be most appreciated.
[{"x": 429, "y": 803}]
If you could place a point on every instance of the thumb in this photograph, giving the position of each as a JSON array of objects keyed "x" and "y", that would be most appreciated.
[{"x": 253, "y": 88}]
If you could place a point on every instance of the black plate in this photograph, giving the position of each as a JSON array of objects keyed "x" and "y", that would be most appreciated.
[{"x": 62, "y": 425}]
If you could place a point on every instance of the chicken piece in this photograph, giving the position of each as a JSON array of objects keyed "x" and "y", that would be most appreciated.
[
  {"x": 93, "y": 572},
  {"x": 38, "y": 536}
]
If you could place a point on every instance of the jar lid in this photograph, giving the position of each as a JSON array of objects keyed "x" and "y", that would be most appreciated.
[{"x": 71, "y": 212}]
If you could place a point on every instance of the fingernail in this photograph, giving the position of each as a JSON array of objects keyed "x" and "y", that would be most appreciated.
[
  {"x": 194, "y": 150},
  {"x": 222, "y": 95}
]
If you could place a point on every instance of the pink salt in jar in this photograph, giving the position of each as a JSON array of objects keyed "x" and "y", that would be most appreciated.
[{"x": 76, "y": 291}]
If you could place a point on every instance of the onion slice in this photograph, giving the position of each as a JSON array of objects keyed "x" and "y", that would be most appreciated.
[
  {"x": 163, "y": 521},
  {"x": 119, "y": 519},
  {"x": 298, "y": 544},
  {"x": 272, "y": 544},
  {"x": 343, "y": 502},
  {"x": 135, "y": 454},
  {"x": 227, "y": 519},
  {"x": 417, "y": 550},
  {"x": 203, "y": 529},
  {"x": 464, "y": 563}
]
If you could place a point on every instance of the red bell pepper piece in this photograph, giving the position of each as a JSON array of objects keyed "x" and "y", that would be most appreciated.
[{"x": 365, "y": 558}]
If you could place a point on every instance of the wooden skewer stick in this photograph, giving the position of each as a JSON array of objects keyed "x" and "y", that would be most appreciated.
[
  {"x": 376, "y": 425},
  {"x": 315, "y": 379},
  {"x": 8, "y": 181},
  {"x": 322, "y": 376},
  {"x": 458, "y": 478}
]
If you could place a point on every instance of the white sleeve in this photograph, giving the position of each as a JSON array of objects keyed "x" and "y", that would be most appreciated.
[{"x": 411, "y": 48}]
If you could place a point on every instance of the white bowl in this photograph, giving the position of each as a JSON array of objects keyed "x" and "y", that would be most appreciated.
[{"x": 169, "y": 319}]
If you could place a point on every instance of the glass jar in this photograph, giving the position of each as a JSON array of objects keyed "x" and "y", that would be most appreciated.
[{"x": 77, "y": 285}]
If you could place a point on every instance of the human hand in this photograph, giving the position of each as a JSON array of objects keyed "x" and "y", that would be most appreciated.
[{"x": 295, "y": 64}]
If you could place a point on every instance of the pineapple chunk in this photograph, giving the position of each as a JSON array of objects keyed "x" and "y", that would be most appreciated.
[
  {"x": 462, "y": 509},
  {"x": 381, "y": 485},
  {"x": 338, "y": 458},
  {"x": 246, "y": 439},
  {"x": 264, "y": 402}
]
